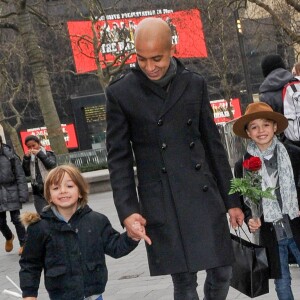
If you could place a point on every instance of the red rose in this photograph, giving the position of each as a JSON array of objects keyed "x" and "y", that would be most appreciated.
[{"x": 252, "y": 164}]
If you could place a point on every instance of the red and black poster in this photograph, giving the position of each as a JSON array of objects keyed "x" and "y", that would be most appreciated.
[
  {"x": 42, "y": 134},
  {"x": 221, "y": 110},
  {"x": 116, "y": 36}
]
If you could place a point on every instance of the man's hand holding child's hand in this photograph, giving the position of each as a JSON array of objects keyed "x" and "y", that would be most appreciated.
[{"x": 135, "y": 226}]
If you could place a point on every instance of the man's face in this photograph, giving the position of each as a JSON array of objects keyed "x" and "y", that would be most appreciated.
[{"x": 154, "y": 58}]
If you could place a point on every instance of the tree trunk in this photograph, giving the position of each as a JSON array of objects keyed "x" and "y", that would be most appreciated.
[
  {"x": 41, "y": 79},
  {"x": 13, "y": 134}
]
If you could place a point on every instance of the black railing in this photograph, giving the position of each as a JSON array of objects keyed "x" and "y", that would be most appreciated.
[{"x": 86, "y": 160}]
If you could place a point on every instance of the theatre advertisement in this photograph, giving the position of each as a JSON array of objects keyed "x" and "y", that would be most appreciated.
[
  {"x": 42, "y": 134},
  {"x": 115, "y": 37},
  {"x": 221, "y": 110}
]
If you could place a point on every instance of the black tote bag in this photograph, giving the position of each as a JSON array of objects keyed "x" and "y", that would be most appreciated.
[{"x": 250, "y": 271}]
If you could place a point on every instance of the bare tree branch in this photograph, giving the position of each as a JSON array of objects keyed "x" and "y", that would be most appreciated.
[
  {"x": 8, "y": 15},
  {"x": 9, "y": 26},
  {"x": 293, "y": 35},
  {"x": 294, "y": 3}
]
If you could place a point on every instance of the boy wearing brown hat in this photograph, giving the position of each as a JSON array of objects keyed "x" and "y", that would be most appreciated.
[{"x": 280, "y": 222}]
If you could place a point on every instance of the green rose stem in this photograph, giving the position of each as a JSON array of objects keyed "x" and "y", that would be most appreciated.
[{"x": 250, "y": 188}]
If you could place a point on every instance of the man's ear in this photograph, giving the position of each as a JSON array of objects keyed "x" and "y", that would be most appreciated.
[
  {"x": 173, "y": 49},
  {"x": 275, "y": 126}
]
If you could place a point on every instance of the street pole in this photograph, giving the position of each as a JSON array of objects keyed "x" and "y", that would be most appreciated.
[{"x": 243, "y": 55}]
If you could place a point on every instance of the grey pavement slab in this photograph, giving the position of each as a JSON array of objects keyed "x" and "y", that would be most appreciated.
[{"x": 128, "y": 276}]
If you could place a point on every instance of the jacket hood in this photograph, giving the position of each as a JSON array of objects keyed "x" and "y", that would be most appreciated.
[
  {"x": 27, "y": 218},
  {"x": 276, "y": 80}
]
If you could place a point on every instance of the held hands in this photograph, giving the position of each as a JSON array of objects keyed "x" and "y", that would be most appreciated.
[
  {"x": 135, "y": 226},
  {"x": 236, "y": 217},
  {"x": 254, "y": 224}
]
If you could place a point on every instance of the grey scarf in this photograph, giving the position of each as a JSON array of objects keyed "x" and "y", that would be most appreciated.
[
  {"x": 170, "y": 74},
  {"x": 271, "y": 208}
]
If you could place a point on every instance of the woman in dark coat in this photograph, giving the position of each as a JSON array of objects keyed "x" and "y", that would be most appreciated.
[
  {"x": 36, "y": 163},
  {"x": 13, "y": 192}
]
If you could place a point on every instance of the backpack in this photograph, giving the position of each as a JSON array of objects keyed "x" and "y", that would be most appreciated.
[{"x": 291, "y": 109}]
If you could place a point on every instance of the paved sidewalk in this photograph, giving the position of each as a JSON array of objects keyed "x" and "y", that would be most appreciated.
[{"x": 128, "y": 276}]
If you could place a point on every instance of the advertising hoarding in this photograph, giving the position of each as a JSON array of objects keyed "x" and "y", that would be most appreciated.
[
  {"x": 220, "y": 110},
  {"x": 42, "y": 134},
  {"x": 116, "y": 36}
]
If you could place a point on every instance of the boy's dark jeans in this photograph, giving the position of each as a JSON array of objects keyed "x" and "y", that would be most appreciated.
[
  {"x": 15, "y": 219},
  {"x": 216, "y": 285}
]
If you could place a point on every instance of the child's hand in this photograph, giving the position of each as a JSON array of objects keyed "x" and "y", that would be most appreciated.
[
  {"x": 254, "y": 224},
  {"x": 135, "y": 226},
  {"x": 35, "y": 151}
]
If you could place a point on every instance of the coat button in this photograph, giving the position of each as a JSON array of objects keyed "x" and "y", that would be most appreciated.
[
  {"x": 205, "y": 188},
  {"x": 189, "y": 122},
  {"x": 160, "y": 122},
  {"x": 164, "y": 146},
  {"x": 164, "y": 170},
  {"x": 198, "y": 167},
  {"x": 192, "y": 145}
]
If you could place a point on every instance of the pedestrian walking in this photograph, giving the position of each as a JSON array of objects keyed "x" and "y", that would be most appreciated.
[
  {"x": 68, "y": 240},
  {"x": 13, "y": 192},
  {"x": 280, "y": 169},
  {"x": 276, "y": 77},
  {"x": 159, "y": 117},
  {"x": 37, "y": 162}
]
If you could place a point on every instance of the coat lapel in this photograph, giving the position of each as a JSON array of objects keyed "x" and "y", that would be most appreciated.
[
  {"x": 177, "y": 87},
  {"x": 148, "y": 84},
  {"x": 176, "y": 90}
]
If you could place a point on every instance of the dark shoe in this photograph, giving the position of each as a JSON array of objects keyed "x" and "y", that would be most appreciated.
[{"x": 9, "y": 244}]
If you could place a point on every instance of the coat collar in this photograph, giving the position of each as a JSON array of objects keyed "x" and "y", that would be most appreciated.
[
  {"x": 61, "y": 225},
  {"x": 177, "y": 87}
]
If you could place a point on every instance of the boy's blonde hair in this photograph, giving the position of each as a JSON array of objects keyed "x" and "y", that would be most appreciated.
[{"x": 56, "y": 175}]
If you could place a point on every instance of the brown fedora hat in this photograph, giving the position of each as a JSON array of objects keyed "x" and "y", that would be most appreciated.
[{"x": 259, "y": 110}]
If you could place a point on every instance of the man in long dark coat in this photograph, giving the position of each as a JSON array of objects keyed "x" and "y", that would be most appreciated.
[{"x": 160, "y": 117}]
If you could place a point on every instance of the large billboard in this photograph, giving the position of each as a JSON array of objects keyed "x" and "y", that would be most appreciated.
[
  {"x": 42, "y": 134},
  {"x": 115, "y": 36}
]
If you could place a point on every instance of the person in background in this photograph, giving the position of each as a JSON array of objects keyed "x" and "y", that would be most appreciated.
[
  {"x": 159, "y": 116},
  {"x": 69, "y": 242},
  {"x": 13, "y": 192},
  {"x": 36, "y": 163},
  {"x": 276, "y": 77},
  {"x": 296, "y": 69},
  {"x": 280, "y": 223}
]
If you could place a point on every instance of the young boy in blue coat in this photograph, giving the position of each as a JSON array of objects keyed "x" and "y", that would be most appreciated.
[
  {"x": 280, "y": 222},
  {"x": 69, "y": 242}
]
